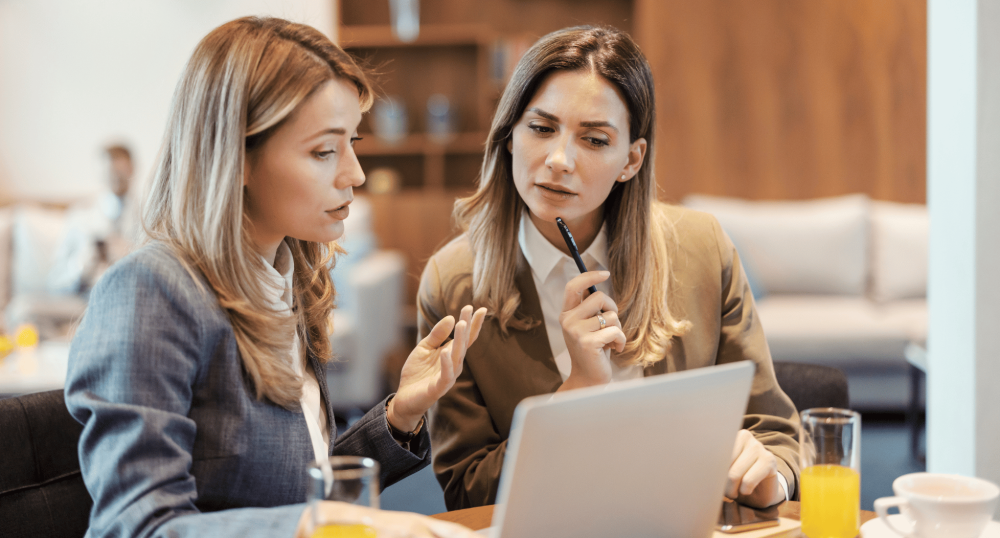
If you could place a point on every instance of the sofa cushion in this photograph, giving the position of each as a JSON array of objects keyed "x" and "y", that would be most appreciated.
[
  {"x": 845, "y": 332},
  {"x": 899, "y": 251},
  {"x": 802, "y": 247},
  {"x": 6, "y": 254},
  {"x": 37, "y": 235}
]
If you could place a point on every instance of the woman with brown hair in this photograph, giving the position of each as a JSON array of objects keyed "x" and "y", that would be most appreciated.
[
  {"x": 198, "y": 370},
  {"x": 573, "y": 137}
]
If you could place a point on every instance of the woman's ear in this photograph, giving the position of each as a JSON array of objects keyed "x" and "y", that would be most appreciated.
[
  {"x": 246, "y": 170},
  {"x": 510, "y": 143},
  {"x": 636, "y": 154}
]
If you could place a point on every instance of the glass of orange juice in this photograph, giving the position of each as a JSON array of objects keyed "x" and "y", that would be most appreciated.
[
  {"x": 349, "y": 479},
  {"x": 830, "y": 480}
]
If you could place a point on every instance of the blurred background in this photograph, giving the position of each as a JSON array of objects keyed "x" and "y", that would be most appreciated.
[{"x": 801, "y": 124}]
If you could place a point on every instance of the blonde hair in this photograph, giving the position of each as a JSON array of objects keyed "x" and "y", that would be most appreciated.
[
  {"x": 243, "y": 80},
  {"x": 639, "y": 233}
]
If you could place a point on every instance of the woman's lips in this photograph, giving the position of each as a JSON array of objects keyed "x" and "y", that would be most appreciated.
[
  {"x": 341, "y": 212},
  {"x": 554, "y": 192}
]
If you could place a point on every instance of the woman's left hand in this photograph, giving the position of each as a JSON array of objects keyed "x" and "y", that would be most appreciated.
[
  {"x": 432, "y": 368},
  {"x": 753, "y": 475}
]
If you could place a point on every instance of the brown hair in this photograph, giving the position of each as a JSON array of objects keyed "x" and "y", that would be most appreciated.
[
  {"x": 639, "y": 235},
  {"x": 118, "y": 151},
  {"x": 244, "y": 79}
]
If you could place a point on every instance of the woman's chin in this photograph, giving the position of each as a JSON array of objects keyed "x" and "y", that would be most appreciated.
[
  {"x": 547, "y": 212},
  {"x": 326, "y": 234}
]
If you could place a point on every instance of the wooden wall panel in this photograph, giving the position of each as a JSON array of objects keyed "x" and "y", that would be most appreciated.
[{"x": 788, "y": 99}]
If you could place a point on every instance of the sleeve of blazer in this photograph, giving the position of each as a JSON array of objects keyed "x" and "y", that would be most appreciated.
[
  {"x": 133, "y": 363},
  {"x": 370, "y": 437},
  {"x": 770, "y": 416},
  {"x": 468, "y": 449}
]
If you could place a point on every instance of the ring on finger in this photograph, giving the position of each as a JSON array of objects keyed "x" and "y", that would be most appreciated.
[{"x": 600, "y": 318}]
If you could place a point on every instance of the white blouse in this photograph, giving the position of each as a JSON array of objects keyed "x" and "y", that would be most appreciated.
[
  {"x": 279, "y": 289},
  {"x": 551, "y": 271}
]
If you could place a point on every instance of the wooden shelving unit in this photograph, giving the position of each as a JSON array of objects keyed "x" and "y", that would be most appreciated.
[
  {"x": 435, "y": 155},
  {"x": 381, "y": 36},
  {"x": 421, "y": 144}
]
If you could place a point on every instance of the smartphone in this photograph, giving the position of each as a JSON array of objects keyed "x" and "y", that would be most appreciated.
[{"x": 736, "y": 517}]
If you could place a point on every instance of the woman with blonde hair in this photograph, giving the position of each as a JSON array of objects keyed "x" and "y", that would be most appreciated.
[
  {"x": 198, "y": 370},
  {"x": 573, "y": 137}
]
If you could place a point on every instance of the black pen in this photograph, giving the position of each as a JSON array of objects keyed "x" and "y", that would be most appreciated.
[{"x": 573, "y": 251}]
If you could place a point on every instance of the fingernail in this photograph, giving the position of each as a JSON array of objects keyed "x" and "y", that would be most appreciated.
[{"x": 605, "y": 273}]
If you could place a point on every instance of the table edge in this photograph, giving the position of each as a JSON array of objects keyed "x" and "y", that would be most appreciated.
[{"x": 481, "y": 517}]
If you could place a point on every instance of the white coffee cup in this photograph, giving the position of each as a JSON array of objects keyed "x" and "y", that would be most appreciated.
[{"x": 940, "y": 505}]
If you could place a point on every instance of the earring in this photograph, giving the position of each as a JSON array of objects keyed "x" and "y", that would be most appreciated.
[{"x": 623, "y": 177}]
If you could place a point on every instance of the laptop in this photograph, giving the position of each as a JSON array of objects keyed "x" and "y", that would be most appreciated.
[{"x": 640, "y": 458}]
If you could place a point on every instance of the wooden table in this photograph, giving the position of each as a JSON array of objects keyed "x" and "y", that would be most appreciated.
[{"x": 482, "y": 517}]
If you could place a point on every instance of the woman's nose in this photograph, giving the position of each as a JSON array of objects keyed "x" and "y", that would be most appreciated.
[
  {"x": 351, "y": 173},
  {"x": 560, "y": 158}
]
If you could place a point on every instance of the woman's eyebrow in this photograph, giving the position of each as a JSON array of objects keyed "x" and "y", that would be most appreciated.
[
  {"x": 589, "y": 124},
  {"x": 599, "y": 124},
  {"x": 547, "y": 115},
  {"x": 332, "y": 130}
]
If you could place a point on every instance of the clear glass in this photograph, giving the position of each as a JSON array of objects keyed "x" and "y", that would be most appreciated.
[
  {"x": 830, "y": 480},
  {"x": 349, "y": 479}
]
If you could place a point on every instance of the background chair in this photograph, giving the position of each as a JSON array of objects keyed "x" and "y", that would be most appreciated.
[
  {"x": 812, "y": 385},
  {"x": 41, "y": 489}
]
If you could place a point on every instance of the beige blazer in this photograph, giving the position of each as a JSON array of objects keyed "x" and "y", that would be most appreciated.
[{"x": 470, "y": 425}]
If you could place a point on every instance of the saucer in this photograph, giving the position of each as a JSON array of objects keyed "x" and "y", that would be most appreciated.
[{"x": 877, "y": 528}]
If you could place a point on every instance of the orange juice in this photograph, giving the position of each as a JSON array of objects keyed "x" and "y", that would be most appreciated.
[
  {"x": 344, "y": 531},
  {"x": 831, "y": 501}
]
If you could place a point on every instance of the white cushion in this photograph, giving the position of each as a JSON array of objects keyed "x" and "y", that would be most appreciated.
[
  {"x": 841, "y": 331},
  {"x": 899, "y": 251},
  {"x": 37, "y": 234},
  {"x": 6, "y": 254},
  {"x": 811, "y": 247}
]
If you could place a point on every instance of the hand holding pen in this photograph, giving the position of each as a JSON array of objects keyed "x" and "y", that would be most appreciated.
[
  {"x": 590, "y": 326},
  {"x": 573, "y": 250}
]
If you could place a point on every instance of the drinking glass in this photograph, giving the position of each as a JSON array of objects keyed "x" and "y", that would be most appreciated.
[
  {"x": 830, "y": 480},
  {"x": 349, "y": 479}
]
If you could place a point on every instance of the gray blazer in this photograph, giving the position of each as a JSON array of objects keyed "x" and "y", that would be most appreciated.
[{"x": 175, "y": 443}]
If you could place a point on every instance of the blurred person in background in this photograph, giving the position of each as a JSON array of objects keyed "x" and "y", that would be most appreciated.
[
  {"x": 91, "y": 234},
  {"x": 573, "y": 138},
  {"x": 198, "y": 371},
  {"x": 98, "y": 231}
]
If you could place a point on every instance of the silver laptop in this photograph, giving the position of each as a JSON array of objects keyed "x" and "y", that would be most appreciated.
[{"x": 640, "y": 458}]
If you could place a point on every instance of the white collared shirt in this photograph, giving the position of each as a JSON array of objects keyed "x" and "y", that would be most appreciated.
[
  {"x": 279, "y": 290},
  {"x": 551, "y": 271}
]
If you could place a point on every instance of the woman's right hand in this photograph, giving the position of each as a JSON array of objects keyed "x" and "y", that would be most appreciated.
[
  {"x": 588, "y": 344},
  {"x": 432, "y": 368},
  {"x": 387, "y": 524}
]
